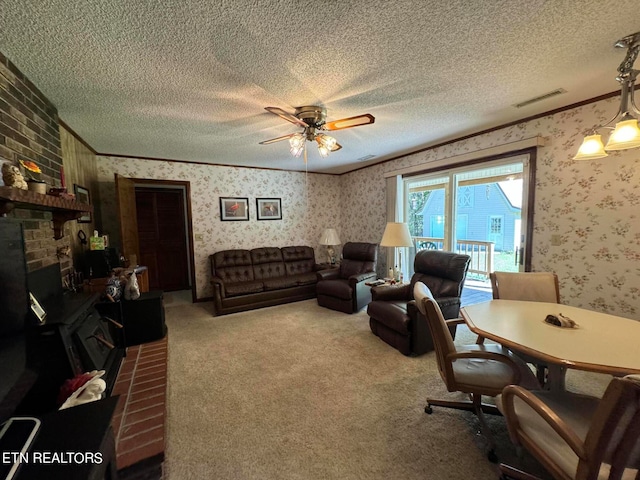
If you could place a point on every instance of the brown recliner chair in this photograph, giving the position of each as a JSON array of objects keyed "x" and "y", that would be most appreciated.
[
  {"x": 344, "y": 288},
  {"x": 393, "y": 315}
]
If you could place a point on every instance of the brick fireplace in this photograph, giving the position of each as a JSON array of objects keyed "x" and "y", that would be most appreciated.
[{"x": 139, "y": 419}]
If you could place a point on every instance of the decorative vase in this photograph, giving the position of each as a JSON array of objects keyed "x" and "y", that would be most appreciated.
[{"x": 38, "y": 187}]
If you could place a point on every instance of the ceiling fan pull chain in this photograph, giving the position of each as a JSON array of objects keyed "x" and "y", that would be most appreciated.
[{"x": 306, "y": 180}]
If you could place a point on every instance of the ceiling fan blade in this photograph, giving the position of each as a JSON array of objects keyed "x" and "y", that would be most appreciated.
[
  {"x": 286, "y": 116},
  {"x": 356, "y": 121},
  {"x": 277, "y": 139},
  {"x": 336, "y": 148}
]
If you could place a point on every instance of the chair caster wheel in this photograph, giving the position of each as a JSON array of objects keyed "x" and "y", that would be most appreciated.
[
  {"x": 492, "y": 457},
  {"x": 428, "y": 409}
]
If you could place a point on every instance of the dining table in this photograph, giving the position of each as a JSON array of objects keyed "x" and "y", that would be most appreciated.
[{"x": 599, "y": 342}]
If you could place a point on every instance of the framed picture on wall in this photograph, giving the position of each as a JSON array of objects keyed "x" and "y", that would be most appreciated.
[
  {"x": 269, "y": 208},
  {"x": 234, "y": 209},
  {"x": 83, "y": 196}
]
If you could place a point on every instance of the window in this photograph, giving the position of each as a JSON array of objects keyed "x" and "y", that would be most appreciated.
[
  {"x": 495, "y": 225},
  {"x": 453, "y": 209}
]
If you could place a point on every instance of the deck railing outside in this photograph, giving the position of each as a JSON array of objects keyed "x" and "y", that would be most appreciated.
[{"x": 481, "y": 253}]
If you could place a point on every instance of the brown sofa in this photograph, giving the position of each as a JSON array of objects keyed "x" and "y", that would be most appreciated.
[{"x": 248, "y": 279}]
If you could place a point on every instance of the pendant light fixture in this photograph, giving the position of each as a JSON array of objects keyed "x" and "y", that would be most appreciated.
[{"x": 626, "y": 133}]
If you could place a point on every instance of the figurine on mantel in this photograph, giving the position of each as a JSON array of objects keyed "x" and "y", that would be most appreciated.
[
  {"x": 34, "y": 176},
  {"x": 12, "y": 177}
]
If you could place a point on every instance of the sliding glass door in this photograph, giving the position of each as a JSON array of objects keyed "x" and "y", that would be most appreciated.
[{"x": 479, "y": 210}]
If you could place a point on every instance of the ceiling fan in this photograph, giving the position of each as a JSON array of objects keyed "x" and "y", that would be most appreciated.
[{"x": 313, "y": 119}]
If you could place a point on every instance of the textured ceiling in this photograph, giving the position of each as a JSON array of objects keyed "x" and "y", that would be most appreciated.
[{"x": 189, "y": 79}]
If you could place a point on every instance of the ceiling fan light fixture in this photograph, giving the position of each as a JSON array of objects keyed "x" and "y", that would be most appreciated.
[
  {"x": 313, "y": 119},
  {"x": 297, "y": 140},
  {"x": 323, "y": 151},
  {"x": 325, "y": 140}
]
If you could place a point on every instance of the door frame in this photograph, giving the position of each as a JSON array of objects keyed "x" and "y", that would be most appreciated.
[{"x": 146, "y": 182}]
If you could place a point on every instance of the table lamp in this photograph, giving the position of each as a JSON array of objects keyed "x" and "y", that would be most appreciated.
[
  {"x": 396, "y": 235},
  {"x": 330, "y": 238}
]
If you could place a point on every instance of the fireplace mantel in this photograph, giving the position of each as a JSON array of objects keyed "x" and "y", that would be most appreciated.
[{"x": 61, "y": 209}]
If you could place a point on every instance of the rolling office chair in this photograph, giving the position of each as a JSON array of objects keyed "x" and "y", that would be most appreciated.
[{"x": 473, "y": 369}]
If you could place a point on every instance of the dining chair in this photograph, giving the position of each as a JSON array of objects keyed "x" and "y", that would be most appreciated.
[
  {"x": 476, "y": 370},
  {"x": 526, "y": 286},
  {"x": 576, "y": 437}
]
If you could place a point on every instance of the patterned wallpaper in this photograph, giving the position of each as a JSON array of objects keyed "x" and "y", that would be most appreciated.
[
  {"x": 309, "y": 205},
  {"x": 593, "y": 205}
]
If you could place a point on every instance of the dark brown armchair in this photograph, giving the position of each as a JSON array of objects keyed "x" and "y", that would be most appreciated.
[
  {"x": 393, "y": 315},
  {"x": 344, "y": 288}
]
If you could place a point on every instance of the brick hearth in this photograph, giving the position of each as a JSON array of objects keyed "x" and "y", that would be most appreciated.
[{"x": 139, "y": 419}]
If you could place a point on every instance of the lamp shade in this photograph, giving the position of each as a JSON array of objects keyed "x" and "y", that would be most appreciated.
[
  {"x": 625, "y": 135},
  {"x": 591, "y": 148},
  {"x": 396, "y": 235},
  {"x": 329, "y": 237}
]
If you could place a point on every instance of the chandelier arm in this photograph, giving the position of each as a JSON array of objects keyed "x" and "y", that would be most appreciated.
[
  {"x": 626, "y": 78},
  {"x": 626, "y": 99},
  {"x": 632, "y": 43},
  {"x": 627, "y": 75},
  {"x": 613, "y": 119}
]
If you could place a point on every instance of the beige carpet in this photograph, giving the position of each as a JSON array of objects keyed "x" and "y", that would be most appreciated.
[{"x": 302, "y": 392}]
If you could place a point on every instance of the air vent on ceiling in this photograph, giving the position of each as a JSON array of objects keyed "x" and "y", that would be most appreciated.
[
  {"x": 558, "y": 91},
  {"x": 365, "y": 158}
]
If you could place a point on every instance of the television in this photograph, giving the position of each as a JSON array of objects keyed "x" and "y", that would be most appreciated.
[{"x": 16, "y": 378}]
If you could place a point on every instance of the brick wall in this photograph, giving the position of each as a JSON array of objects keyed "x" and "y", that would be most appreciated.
[
  {"x": 40, "y": 247},
  {"x": 28, "y": 123},
  {"x": 29, "y": 130}
]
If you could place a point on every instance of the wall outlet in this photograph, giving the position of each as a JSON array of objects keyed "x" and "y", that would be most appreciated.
[
  {"x": 556, "y": 240},
  {"x": 199, "y": 237}
]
